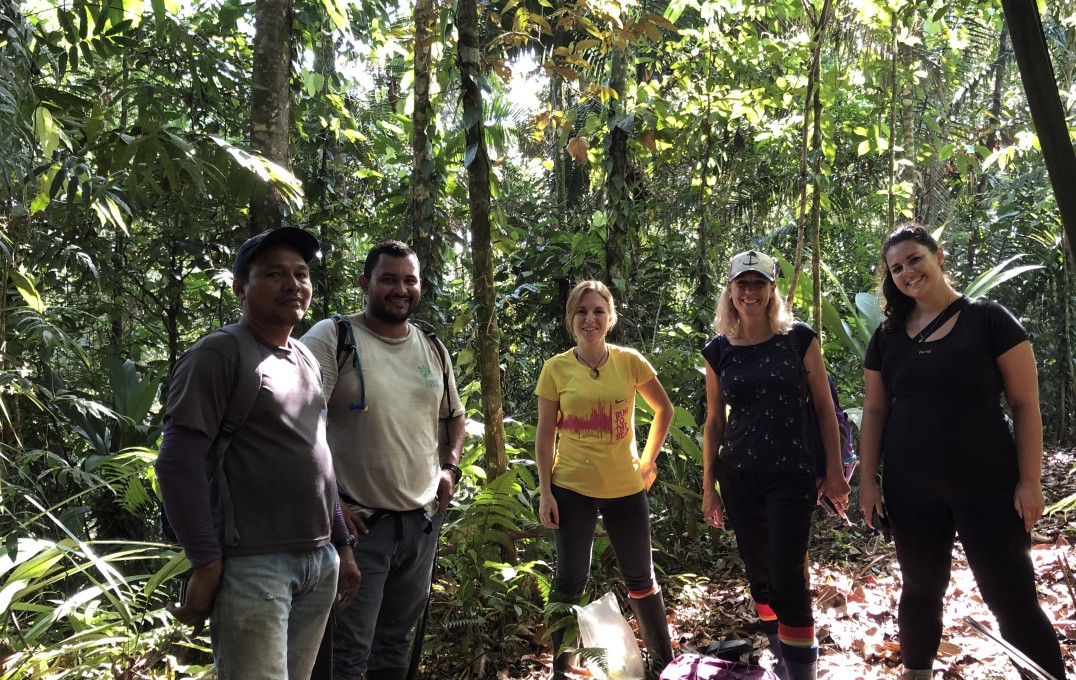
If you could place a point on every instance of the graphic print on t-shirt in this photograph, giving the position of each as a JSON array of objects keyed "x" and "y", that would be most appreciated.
[
  {"x": 425, "y": 372},
  {"x": 603, "y": 422}
]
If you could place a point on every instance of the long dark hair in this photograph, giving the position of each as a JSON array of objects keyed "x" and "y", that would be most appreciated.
[{"x": 898, "y": 305}]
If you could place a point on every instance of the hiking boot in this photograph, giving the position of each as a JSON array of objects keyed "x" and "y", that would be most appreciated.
[{"x": 654, "y": 629}]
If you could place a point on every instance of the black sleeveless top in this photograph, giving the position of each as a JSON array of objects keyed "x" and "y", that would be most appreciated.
[{"x": 761, "y": 385}]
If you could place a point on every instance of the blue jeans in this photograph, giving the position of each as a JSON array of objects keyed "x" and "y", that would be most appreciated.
[
  {"x": 771, "y": 516},
  {"x": 626, "y": 520},
  {"x": 396, "y": 563},
  {"x": 270, "y": 613}
]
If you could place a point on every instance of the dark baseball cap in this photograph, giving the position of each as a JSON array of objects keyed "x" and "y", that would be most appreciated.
[{"x": 300, "y": 239}]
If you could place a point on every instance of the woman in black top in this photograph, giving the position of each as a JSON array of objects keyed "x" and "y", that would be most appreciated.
[
  {"x": 932, "y": 417},
  {"x": 758, "y": 455}
]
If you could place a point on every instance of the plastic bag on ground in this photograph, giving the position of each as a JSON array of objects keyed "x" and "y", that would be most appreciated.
[{"x": 602, "y": 625}]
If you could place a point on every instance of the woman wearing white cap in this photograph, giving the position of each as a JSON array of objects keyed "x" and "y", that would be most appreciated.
[{"x": 758, "y": 454}]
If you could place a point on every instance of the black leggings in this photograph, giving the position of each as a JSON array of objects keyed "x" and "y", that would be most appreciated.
[
  {"x": 925, "y": 522},
  {"x": 626, "y": 520},
  {"x": 771, "y": 515}
]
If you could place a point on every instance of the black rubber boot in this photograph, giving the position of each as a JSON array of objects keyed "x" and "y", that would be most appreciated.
[
  {"x": 387, "y": 674},
  {"x": 775, "y": 647},
  {"x": 654, "y": 629},
  {"x": 562, "y": 661},
  {"x": 799, "y": 670}
]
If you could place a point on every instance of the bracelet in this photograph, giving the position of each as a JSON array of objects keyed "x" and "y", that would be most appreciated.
[{"x": 455, "y": 469}]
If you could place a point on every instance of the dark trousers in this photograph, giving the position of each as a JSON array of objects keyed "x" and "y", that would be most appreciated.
[
  {"x": 771, "y": 515},
  {"x": 925, "y": 521},
  {"x": 626, "y": 520}
]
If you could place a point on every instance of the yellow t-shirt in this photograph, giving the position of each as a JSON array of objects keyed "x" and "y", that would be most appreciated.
[{"x": 596, "y": 454}]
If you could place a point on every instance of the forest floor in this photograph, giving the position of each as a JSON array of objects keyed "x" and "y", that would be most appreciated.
[{"x": 856, "y": 589}]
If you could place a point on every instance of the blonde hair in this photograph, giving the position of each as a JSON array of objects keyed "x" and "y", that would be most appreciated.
[
  {"x": 727, "y": 319},
  {"x": 576, "y": 296}
]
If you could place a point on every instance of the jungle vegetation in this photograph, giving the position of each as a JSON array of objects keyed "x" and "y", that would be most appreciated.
[{"x": 142, "y": 142}]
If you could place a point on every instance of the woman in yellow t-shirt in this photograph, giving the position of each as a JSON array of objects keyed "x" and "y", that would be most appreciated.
[{"x": 588, "y": 463}]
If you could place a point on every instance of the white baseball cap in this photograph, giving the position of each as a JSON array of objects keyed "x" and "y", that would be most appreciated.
[{"x": 752, "y": 261}]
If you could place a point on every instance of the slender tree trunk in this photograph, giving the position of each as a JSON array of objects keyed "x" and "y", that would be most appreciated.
[
  {"x": 556, "y": 151},
  {"x": 907, "y": 171},
  {"x": 1037, "y": 74},
  {"x": 328, "y": 162},
  {"x": 816, "y": 214},
  {"x": 894, "y": 47},
  {"x": 423, "y": 168},
  {"x": 1067, "y": 430},
  {"x": 983, "y": 187},
  {"x": 704, "y": 293},
  {"x": 174, "y": 296},
  {"x": 617, "y": 189},
  {"x": 813, "y": 77},
  {"x": 477, "y": 162},
  {"x": 270, "y": 102}
]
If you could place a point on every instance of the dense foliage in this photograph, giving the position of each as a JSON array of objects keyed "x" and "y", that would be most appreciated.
[{"x": 665, "y": 136}]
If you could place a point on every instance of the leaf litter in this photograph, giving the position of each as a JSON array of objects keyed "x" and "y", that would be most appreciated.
[{"x": 856, "y": 585}]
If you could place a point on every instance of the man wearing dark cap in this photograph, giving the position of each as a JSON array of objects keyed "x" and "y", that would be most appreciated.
[{"x": 264, "y": 531}]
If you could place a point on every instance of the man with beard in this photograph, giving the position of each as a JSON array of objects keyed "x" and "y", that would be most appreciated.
[{"x": 395, "y": 429}]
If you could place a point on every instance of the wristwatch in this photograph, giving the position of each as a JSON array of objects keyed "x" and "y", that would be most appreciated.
[
  {"x": 349, "y": 542},
  {"x": 456, "y": 472}
]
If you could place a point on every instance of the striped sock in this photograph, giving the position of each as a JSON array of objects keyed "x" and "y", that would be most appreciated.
[
  {"x": 798, "y": 644},
  {"x": 640, "y": 594},
  {"x": 767, "y": 618}
]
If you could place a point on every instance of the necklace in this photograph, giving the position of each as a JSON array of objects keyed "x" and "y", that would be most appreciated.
[
  {"x": 593, "y": 369},
  {"x": 921, "y": 323}
]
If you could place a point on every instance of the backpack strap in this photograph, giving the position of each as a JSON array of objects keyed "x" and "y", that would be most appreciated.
[
  {"x": 246, "y": 386},
  {"x": 811, "y": 433},
  {"x": 442, "y": 354},
  {"x": 345, "y": 344}
]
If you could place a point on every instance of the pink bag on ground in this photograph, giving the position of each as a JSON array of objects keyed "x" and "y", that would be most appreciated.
[{"x": 697, "y": 667}]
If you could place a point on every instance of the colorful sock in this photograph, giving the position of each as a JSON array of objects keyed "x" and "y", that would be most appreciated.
[
  {"x": 640, "y": 594},
  {"x": 798, "y": 644},
  {"x": 767, "y": 618}
]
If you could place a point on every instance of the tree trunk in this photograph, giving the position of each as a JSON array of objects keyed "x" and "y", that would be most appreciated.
[
  {"x": 1037, "y": 73},
  {"x": 891, "y": 212},
  {"x": 327, "y": 174},
  {"x": 617, "y": 189},
  {"x": 477, "y": 162},
  {"x": 556, "y": 152},
  {"x": 816, "y": 215},
  {"x": 423, "y": 168},
  {"x": 813, "y": 74},
  {"x": 270, "y": 102},
  {"x": 1067, "y": 428}
]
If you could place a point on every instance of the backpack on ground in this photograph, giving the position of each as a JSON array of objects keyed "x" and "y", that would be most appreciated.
[{"x": 699, "y": 667}]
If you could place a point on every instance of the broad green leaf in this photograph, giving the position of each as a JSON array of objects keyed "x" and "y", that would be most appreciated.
[
  {"x": 48, "y": 134},
  {"x": 337, "y": 12},
  {"x": 25, "y": 285},
  {"x": 996, "y": 276}
]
